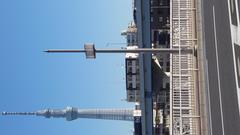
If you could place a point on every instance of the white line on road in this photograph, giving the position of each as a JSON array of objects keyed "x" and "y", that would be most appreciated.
[{"x": 219, "y": 86}]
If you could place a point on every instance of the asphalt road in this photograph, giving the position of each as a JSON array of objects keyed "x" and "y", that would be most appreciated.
[{"x": 224, "y": 116}]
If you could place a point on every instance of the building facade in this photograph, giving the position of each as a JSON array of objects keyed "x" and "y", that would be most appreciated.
[
  {"x": 132, "y": 64},
  {"x": 160, "y": 34}
]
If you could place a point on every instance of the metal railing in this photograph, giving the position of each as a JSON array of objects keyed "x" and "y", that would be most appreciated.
[{"x": 184, "y": 104}]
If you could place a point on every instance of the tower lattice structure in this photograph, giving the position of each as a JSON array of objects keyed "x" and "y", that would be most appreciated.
[{"x": 72, "y": 113}]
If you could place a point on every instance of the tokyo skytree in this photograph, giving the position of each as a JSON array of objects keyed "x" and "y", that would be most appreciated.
[{"x": 72, "y": 113}]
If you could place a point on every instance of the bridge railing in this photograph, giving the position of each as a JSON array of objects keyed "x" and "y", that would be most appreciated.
[{"x": 184, "y": 99}]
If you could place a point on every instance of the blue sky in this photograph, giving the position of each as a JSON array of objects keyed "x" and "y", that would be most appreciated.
[{"x": 31, "y": 80}]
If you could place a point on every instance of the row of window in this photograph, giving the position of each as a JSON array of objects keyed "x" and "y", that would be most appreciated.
[
  {"x": 130, "y": 78},
  {"x": 133, "y": 98},
  {"x": 131, "y": 71},
  {"x": 132, "y": 67},
  {"x": 160, "y": 2},
  {"x": 160, "y": 20},
  {"x": 163, "y": 38},
  {"x": 130, "y": 62},
  {"x": 130, "y": 86},
  {"x": 131, "y": 39}
]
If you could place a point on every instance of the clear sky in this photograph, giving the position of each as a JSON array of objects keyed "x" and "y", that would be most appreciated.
[{"x": 31, "y": 80}]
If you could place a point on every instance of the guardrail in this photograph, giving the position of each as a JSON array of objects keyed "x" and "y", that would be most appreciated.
[{"x": 184, "y": 111}]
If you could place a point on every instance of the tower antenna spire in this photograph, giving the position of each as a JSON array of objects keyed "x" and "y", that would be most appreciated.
[{"x": 18, "y": 113}]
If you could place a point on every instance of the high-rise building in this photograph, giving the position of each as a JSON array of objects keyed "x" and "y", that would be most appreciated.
[{"x": 132, "y": 64}]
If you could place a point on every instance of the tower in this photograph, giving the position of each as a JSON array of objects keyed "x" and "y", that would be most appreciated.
[{"x": 72, "y": 113}]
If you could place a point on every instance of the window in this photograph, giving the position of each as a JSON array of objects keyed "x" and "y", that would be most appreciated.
[
  {"x": 155, "y": 36},
  {"x": 161, "y": 63},
  {"x": 129, "y": 78},
  {"x": 161, "y": 2},
  {"x": 168, "y": 67},
  {"x": 160, "y": 19},
  {"x": 129, "y": 69},
  {"x": 159, "y": 12},
  {"x": 130, "y": 86},
  {"x": 138, "y": 86},
  {"x": 133, "y": 40},
  {"x": 167, "y": 85},
  {"x": 137, "y": 71},
  {"x": 128, "y": 38},
  {"x": 129, "y": 63}
]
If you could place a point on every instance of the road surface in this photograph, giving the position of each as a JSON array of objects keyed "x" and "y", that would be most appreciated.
[{"x": 222, "y": 91}]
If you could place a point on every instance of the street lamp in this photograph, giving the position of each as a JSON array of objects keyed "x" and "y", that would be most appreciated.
[{"x": 90, "y": 51}]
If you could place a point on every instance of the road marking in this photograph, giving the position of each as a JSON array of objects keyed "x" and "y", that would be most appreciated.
[
  {"x": 208, "y": 96},
  {"x": 219, "y": 87},
  {"x": 235, "y": 31}
]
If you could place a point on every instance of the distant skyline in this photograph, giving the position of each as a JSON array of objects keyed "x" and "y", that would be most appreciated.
[{"x": 33, "y": 80}]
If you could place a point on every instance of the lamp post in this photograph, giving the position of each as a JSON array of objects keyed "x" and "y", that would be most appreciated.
[{"x": 90, "y": 51}]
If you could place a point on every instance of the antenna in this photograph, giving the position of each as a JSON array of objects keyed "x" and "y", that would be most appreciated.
[{"x": 18, "y": 113}]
